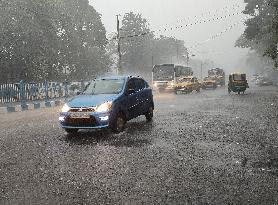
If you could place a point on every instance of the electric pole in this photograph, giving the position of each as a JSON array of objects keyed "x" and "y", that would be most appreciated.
[
  {"x": 119, "y": 46},
  {"x": 177, "y": 53},
  {"x": 202, "y": 70},
  {"x": 187, "y": 57}
]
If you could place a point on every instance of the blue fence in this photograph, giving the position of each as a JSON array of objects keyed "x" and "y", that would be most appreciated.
[{"x": 23, "y": 92}]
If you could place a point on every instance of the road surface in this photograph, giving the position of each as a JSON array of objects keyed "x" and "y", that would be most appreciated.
[{"x": 201, "y": 148}]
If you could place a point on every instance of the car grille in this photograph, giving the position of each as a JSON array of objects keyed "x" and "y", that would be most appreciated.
[
  {"x": 208, "y": 83},
  {"x": 85, "y": 109},
  {"x": 81, "y": 122}
]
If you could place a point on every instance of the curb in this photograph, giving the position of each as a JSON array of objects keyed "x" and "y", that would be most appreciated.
[{"x": 30, "y": 106}]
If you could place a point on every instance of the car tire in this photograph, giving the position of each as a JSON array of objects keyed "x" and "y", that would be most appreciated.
[
  {"x": 119, "y": 124},
  {"x": 149, "y": 114},
  {"x": 229, "y": 90},
  {"x": 71, "y": 131}
]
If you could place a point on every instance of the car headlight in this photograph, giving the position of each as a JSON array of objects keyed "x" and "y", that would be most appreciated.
[
  {"x": 155, "y": 84},
  {"x": 65, "y": 108},
  {"x": 105, "y": 107}
]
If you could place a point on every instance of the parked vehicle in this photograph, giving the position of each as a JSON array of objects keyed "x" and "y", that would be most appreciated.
[
  {"x": 237, "y": 83},
  {"x": 187, "y": 85},
  {"x": 108, "y": 103}
]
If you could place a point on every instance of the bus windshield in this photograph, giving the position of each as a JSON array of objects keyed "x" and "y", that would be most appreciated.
[
  {"x": 163, "y": 72},
  {"x": 183, "y": 71}
]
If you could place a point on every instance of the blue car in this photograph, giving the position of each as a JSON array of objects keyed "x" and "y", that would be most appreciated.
[{"x": 108, "y": 102}]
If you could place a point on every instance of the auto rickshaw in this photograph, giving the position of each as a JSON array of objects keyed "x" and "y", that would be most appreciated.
[{"x": 237, "y": 83}]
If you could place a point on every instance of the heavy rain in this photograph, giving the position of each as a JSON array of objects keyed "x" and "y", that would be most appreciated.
[{"x": 138, "y": 102}]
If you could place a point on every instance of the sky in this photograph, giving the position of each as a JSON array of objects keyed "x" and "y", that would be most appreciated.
[{"x": 213, "y": 40}]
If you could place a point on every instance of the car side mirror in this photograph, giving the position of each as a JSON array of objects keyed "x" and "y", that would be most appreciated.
[{"x": 131, "y": 91}]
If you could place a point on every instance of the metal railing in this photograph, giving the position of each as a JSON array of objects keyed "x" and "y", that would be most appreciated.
[{"x": 23, "y": 92}]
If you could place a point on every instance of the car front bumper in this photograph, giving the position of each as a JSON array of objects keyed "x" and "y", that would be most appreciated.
[
  {"x": 182, "y": 88},
  {"x": 91, "y": 121}
]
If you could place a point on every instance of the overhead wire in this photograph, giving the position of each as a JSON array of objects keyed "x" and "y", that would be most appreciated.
[
  {"x": 181, "y": 27},
  {"x": 205, "y": 14},
  {"x": 217, "y": 35}
]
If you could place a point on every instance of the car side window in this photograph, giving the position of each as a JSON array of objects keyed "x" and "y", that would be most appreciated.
[
  {"x": 139, "y": 84},
  {"x": 131, "y": 85},
  {"x": 146, "y": 84}
]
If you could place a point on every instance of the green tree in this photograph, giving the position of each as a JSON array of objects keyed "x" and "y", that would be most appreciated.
[
  {"x": 169, "y": 50},
  {"x": 41, "y": 39},
  {"x": 136, "y": 43},
  {"x": 140, "y": 48},
  {"x": 261, "y": 33}
]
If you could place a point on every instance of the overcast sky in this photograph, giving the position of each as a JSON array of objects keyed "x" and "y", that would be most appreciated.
[{"x": 171, "y": 13}]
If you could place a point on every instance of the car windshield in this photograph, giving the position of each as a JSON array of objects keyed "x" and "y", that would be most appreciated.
[
  {"x": 238, "y": 77},
  {"x": 104, "y": 86},
  {"x": 184, "y": 80},
  {"x": 163, "y": 72}
]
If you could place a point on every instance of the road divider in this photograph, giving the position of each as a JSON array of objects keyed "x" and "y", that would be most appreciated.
[{"x": 30, "y": 106}]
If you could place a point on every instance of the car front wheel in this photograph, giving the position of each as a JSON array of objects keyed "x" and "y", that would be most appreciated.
[
  {"x": 149, "y": 114},
  {"x": 71, "y": 131},
  {"x": 119, "y": 124}
]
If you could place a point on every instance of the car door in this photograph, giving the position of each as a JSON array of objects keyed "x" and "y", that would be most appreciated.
[
  {"x": 132, "y": 99},
  {"x": 141, "y": 95}
]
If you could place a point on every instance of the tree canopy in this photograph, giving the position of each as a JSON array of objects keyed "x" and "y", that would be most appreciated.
[
  {"x": 261, "y": 33},
  {"x": 140, "y": 48},
  {"x": 51, "y": 39}
]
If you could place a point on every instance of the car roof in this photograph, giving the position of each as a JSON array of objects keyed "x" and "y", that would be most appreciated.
[
  {"x": 187, "y": 77},
  {"x": 117, "y": 77}
]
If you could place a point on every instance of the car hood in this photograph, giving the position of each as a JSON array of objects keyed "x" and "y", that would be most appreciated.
[
  {"x": 209, "y": 81},
  {"x": 91, "y": 100},
  {"x": 184, "y": 84}
]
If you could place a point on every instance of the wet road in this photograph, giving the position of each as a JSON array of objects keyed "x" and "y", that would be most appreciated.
[{"x": 201, "y": 148}]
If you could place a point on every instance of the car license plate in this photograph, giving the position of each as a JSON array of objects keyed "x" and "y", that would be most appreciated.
[{"x": 79, "y": 115}]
